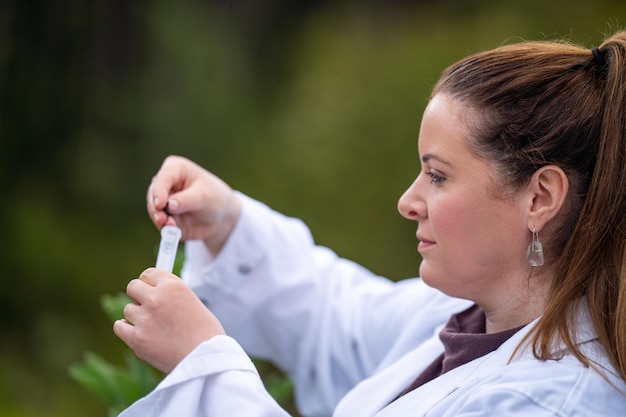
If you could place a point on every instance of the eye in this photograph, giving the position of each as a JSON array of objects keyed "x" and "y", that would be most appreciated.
[{"x": 435, "y": 178}]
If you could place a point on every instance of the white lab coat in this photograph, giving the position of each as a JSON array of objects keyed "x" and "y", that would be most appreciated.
[{"x": 351, "y": 341}]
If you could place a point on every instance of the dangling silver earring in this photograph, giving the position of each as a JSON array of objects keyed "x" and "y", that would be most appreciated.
[{"x": 534, "y": 254}]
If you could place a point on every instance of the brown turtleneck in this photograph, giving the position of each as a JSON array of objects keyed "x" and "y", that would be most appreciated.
[{"x": 464, "y": 339}]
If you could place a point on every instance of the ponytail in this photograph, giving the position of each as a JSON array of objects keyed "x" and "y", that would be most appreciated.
[{"x": 594, "y": 260}]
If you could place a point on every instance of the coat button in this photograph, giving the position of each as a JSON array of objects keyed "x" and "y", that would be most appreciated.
[{"x": 244, "y": 269}]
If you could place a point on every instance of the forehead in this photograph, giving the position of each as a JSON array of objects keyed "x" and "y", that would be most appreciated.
[{"x": 444, "y": 132}]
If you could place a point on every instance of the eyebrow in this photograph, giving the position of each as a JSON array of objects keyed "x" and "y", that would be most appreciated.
[{"x": 427, "y": 157}]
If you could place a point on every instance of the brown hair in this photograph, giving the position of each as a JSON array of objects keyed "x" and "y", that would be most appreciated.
[{"x": 555, "y": 103}]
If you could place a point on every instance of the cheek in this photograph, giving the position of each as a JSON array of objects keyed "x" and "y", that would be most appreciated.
[
  {"x": 466, "y": 248},
  {"x": 470, "y": 231},
  {"x": 480, "y": 234},
  {"x": 452, "y": 221}
]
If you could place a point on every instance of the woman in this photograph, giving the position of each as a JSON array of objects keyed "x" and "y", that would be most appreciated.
[{"x": 521, "y": 305}]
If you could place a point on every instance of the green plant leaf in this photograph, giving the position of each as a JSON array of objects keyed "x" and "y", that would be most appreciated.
[
  {"x": 113, "y": 305},
  {"x": 112, "y": 383},
  {"x": 142, "y": 373}
]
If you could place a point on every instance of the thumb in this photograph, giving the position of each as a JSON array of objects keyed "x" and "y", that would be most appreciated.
[{"x": 197, "y": 197}]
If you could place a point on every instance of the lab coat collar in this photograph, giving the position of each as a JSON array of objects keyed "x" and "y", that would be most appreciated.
[{"x": 383, "y": 388}]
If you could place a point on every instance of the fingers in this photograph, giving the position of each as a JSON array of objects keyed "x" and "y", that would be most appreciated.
[
  {"x": 157, "y": 205},
  {"x": 200, "y": 203},
  {"x": 154, "y": 276},
  {"x": 142, "y": 290},
  {"x": 171, "y": 177},
  {"x": 168, "y": 321},
  {"x": 139, "y": 289},
  {"x": 123, "y": 329},
  {"x": 131, "y": 313}
]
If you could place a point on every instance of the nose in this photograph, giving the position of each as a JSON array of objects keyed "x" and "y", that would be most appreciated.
[{"x": 411, "y": 205}]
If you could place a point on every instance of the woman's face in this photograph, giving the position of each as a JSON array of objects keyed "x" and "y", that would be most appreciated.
[{"x": 472, "y": 243}]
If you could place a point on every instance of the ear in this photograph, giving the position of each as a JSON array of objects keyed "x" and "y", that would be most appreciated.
[{"x": 548, "y": 189}]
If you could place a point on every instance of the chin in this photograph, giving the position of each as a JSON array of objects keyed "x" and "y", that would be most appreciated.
[
  {"x": 428, "y": 275},
  {"x": 431, "y": 280},
  {"x": 449, "y": 288}
]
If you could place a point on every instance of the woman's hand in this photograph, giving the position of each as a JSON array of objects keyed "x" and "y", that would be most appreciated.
[
  {"x": 201, "y": 204},
  {"x": 167, "y": 322}
]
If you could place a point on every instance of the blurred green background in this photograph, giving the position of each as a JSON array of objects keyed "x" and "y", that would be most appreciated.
[{"x": 310, "y": 106}]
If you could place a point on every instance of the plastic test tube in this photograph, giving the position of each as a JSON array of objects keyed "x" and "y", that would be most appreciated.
[{"x": 170, "y": 236}]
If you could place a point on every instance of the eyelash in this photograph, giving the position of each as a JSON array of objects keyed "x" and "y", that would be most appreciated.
[{"x": 435, "y": 178}]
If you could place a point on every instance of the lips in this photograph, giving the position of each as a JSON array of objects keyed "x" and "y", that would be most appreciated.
[
  {"x": 424, "y": 243},
  {"x": 422, "y": 239}
]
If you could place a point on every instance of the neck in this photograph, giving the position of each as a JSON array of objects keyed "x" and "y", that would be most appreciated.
[{"x": 518, "y": 307}]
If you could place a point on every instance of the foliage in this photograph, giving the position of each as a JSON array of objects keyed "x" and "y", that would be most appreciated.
[{"x": 117, "y": 386}]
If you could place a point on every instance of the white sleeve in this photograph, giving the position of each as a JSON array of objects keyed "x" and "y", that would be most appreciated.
[
  {"x": 325, "y": 321},
  {"x": 217, "y": 379}
]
